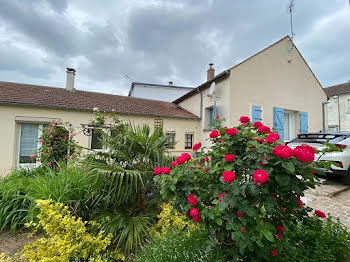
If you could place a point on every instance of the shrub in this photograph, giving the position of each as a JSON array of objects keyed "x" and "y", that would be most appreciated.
[
  {"x": 246, "y": 188},
  {"x": 68, "y": 238}
]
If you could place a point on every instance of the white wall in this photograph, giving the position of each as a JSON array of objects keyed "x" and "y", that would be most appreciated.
[{"x": 333, "y": 117}]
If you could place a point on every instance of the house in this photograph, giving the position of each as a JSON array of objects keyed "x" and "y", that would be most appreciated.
[
  {"x": 275, "y": 86},
  {"x": 25, "y": 109},
  {"x": 158, "y": 92},
  {"x": 339, "y": 107}
]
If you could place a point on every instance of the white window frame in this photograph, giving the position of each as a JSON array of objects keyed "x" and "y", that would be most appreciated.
[{"x": 291, "y": 125}]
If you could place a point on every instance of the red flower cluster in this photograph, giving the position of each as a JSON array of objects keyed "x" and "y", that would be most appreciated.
[
  {"x": 301, "y": 203},
  {"x": 305, "y": 153},
  {"x": 221, "y": 196},
  {"x": 228, "y": 176},
  {"x": 273, "y": 253},
  {"x": 192, "y": 200},
  {"x": 214, "y": 134},
  {"x": 206, "y": 159},
  {"x": 278, "y": 236},
  {"x": 173, "y": 164},
  {"x": 272, "y": 137},
  {"x": 197, "y": 146},
  {"x": 260, "y": 177},
  {"x": 161, "y": 170},
  {"x": 244, "y": 119},
  {"x": 284, "y": 152},
  {"x": 280, "y": 228},
  {"x": 243, "y": 229},
  {"x": 194, "y": 212},
  {"x": 320, "y": 213},
  {"x": 239, "y": 214},
  {"x": 264, "y": 129},
  {"x": 230, "y": 158},
  {"x": 231, "y": 131},
  {"x": 259, "y": 140},
  {"x": 183, "y": 158},
  {"x": 257, "y": 124}
]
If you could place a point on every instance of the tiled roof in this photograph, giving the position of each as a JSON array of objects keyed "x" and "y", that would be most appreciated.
[
  {"x": 34, "y": 95},
  {"x": 338, "y": 89}
]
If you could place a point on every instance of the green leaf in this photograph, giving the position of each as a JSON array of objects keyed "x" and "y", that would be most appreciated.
[
  {"x": 260, "y": 244},
  {"x": 251, "y": 212},
  {"x": 172, "y": 187},
  {"x": 289, "y": 166},
  {"x": 218, "y": 221},
  {"x": 268, "y": 235},
  {"x": 283, "y": 180},
  {"x": 215, "y": 201}
]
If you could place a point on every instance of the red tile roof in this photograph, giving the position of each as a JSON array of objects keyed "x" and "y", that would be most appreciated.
[
  {"x": 338, "y": 89},
  {"x": 34, "y": 95}
]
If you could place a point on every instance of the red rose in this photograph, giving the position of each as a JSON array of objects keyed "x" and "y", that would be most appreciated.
[
  {"x": 173, "y": 164},
  {"x": 244, "y": 119},
  {"x": 49, "y": 163},
  {"x": 239, "y": 214},
  {"x": 301, "y": 203},
  {"x": 304, "y": 153},
  {"x": 206, "y": 170},
  {"x": 259, "y": 140},
  {"x": 32, "y": 156},
  {"x": 228, "y": 176},
  {"x": 220, "y": 141},
  {"x": 217, "y": 117},
  {"x": 272, "y": 137},
  {"x": 260, "y": 177},
  {"x": 230, "y": 158},
  {"x": 214, "y": 134},
  {"x": 196, "y": 219},
  {"x": 197, "y": 146},
  {"x": 180, "y": 160},
  {"x": 186, "y": 156},
  {"x": 273, "y": 253},
  {"x": 194, "y": 212},
  {"x": 221, "y": 196},
  {"x": 192, "y": 200},
  {"x": 206, "y": 159},
  {"x": 280, "y": 228},
  {"x": 158, "y": 171},
  {"x": 166, "y": 170},
  {"x": 231, "y": 131},
  {"x": 243, "y": 229},
  {"x": 51, "y": 136},
  {"x": 257, "y": 124},
  {"x": 41, "y": 140},
  {"x": 264, "y": 129},
  {"x": 284, "y": 152},
  {"x": 278, "y": 236},
  {"x": 320, "y": 214}
]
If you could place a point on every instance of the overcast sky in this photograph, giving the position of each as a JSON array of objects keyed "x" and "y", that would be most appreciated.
[{"x": 157, "y": 41}]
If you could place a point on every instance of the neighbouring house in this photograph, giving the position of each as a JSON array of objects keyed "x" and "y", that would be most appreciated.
[
  {"x": 339, "y": 107},
  {"x": 158, "y": 92},
  {"x": 26, "y": 109},
  {"x": 275, "y": 86}
]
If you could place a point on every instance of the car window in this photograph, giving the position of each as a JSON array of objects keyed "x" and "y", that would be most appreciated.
[{"x": 319, "y": 138}]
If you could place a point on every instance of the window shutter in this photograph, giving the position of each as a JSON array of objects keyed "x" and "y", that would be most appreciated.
[
  {"x": 214, "y": 112},
  {"x": 304, "y": 123},
  {"x": 278, "y": 121},
  {"x": 256, "y": 114}
]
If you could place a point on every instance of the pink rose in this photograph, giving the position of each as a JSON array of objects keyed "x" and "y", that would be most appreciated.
[
  {"x": 244, "y": 119},
  {"x": 231, "y": 131},
  {"x": 192, "y": 200},
  {"x": 49, "y": 163},
  {"x": 41, "y": 140},
  {"x": 284, "y": 152},
  {"x": 32, "y": 156},
  {"x": 221, "y": 196},
  {"x": 214, "y": 134},
  {"x": 243, "y": 229},
  {"x": 260, "y": 177},
  {"x": 230, "y": 158},
  {"x": 51, "y": 136},
  {"x": 228, "y": 176}
]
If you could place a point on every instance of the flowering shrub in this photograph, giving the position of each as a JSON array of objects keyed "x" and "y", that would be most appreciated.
[
  {"x": 68, "y": 238},
  {"x": 245, "y": 188},
  {"x": 57, "y": 145}
]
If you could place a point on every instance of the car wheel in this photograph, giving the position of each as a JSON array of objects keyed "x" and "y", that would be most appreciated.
[{"x": 346, "y": 179}]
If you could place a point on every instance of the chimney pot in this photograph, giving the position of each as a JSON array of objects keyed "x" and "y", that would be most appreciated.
[
  {"x": 210, "y": 72},
  {"x": 171, "y": 83},
  {"x": 70, "y": 79}
]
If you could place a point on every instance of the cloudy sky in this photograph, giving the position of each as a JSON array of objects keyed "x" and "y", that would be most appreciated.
[{"x": 156, "y": 41}]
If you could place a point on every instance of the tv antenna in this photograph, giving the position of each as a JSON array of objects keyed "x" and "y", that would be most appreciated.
[{"x": 291, "y": 9}]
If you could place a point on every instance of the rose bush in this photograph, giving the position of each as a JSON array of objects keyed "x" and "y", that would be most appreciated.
[{"x": 246, "y": 189}]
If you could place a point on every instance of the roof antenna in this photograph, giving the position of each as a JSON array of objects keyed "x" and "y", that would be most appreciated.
[{"x": 291, "y": 9}]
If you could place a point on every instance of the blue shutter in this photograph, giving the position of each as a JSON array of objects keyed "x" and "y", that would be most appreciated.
[
  {"x": 278, "y": 121},
  {"x": 304, "y": 123},
  {"x": 214, "y": 112},
  {"x": 256, "y": 114}
]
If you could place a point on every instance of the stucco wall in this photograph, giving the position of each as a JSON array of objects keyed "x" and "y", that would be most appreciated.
[
  {"x": 333, "y": 117},
  {"x": 9, "y": 129},
  {"x": 267, "y": 80}
]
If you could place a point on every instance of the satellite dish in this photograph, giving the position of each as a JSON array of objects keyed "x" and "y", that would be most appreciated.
[{"x": 212, "y": 89}]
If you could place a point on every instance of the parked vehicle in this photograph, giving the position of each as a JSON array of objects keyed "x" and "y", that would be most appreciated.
[{"x": 342, "y": 158}]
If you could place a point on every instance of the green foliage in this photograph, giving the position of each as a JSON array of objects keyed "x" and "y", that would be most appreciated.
[
  {"x": 178, "y": 246},
  {"x": 262, "y": 206}
]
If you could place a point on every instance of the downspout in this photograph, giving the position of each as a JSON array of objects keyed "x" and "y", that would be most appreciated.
[
  {"x": 323, "y": 116},
  {"x": 201, "y": 106}
]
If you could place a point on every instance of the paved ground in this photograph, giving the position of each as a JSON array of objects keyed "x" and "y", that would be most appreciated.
[{"x": 333, "y": 198}]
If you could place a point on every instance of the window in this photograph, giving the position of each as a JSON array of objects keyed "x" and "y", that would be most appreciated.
[
  {"x": 188, "y": 141},
  {"x": 171, "y": 140},
  {"x": 158, "y": 123},
  {"x": 288, "y": 126},
  {"x": 96, "y": 139},
  {"x": 210, "y": 117}
]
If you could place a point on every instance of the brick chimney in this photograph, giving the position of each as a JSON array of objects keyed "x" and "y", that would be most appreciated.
[
  {"x": 70, "y": 79},
  {"x": 171, "y": 83},
  {"x": 210, "y": 72}
]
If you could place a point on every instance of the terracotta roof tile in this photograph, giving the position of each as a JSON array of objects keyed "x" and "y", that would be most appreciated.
[
  {"x": 338, "y": 89},
  {"x": 34, "y": 95}
]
